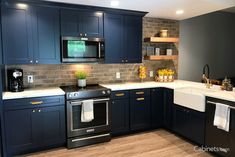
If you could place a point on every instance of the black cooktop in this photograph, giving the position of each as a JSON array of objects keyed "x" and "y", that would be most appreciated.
[{"x": 74, "y": 88}]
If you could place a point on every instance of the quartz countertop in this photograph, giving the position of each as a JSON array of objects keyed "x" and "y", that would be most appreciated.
[
  {"x": 34, "y": 92},
  {"x": 217, "y": 92}
]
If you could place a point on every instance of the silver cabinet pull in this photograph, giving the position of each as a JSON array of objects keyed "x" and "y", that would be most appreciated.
[
  {"x": 80, "y": 34},
  {"x": 126, "y": 60},
  {"x": 33, "y": 111},
  {"x": 36, "y": 61},
  {"x": 31, "y": 61},
  {"x": 85, "y": 34},
  {"x": 39, "y": 110}
]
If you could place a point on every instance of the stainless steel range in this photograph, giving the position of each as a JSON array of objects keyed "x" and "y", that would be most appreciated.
[{"x": 95, "y": 130}]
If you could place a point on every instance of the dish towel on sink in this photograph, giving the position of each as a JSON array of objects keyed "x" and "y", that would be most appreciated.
[
  {"x": 87, "y": 112},
  {"x": 222, "y": 116}
]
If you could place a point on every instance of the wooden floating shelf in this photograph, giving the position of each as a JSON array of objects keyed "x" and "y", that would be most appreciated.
[
  {"x": 161, "y": 57},
  {"x": 161, "y": 40}
]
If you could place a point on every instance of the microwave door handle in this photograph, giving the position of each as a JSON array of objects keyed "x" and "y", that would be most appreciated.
[{"x": 99, "y": 51}]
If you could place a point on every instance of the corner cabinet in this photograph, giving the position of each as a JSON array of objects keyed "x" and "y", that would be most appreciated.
[
  {"x": 30, "y": 35},
  {"x": 123, "y": 38},
  {"x": 34, "y": 127},
  {"x": 81, "y": 23}
]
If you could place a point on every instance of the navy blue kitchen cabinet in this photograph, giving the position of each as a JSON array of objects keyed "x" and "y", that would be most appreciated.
[
  {"x": 140, "y": 114},
  {"x": 133, "y": 39},
  {"x": 232, "y": 130},
  {"x": 189, "y": 123},
  {"x": 156, "y": 107},
  {"x": 113, "y": 34},
  {"x": 46, "y": 35},
  {"x": 123, "y": 38},
  {"x": 120, "y": 113},
  {"x": 30, "y": 35},
  {"x": 81, "y": 23},
  {"x": 17, "y": 35},
  {"x": 167, "y": 108},
  {"x": 34, "y": 124}
]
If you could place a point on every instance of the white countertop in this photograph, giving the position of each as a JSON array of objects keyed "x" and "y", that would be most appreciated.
[
  {"x": 217, "y": 92},
  {"x": 35, "y": 92}
]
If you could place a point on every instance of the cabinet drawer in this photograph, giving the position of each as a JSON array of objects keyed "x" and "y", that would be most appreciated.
[
  {"x": 15, "y": 104},
  {"x": 120, "y": 94},
  {"x": 139, "y": 93}
]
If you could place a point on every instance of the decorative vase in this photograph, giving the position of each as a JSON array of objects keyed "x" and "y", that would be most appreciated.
[
  {"x": 161, "y": 78},
  {"x": 165, "y": 78},
  {"x": 81, "y": 82}
]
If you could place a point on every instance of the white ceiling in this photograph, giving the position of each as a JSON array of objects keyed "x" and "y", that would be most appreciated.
[{"x": 163, "y": 8}]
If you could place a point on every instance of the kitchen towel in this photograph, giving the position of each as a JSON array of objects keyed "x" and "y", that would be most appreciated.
[
  {"x": 87, "y": 112},
  {"x": 222, "y": 116}
]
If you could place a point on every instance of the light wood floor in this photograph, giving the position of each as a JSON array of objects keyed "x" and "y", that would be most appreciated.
[{"x": 159, "y": 143}]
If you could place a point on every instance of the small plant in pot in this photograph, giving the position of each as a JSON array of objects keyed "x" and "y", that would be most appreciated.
[{"x": 81, "y": 77}]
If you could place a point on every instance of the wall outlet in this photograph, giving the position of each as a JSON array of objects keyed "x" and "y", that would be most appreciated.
[
  {"x": 150, "y": 73},
  {"x": 30, "y": 78},
  {"x": 118, "y": 75}
]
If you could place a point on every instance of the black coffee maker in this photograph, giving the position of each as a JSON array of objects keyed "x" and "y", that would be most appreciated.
[{"x": 15, "y": 80}]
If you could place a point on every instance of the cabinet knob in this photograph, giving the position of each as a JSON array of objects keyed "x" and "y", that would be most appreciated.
[
  {"x": 122, "y": 61},
  {"x": 33, "y": 111},
  {"x": 126, "y": 61},
  {"x": 85, "y": 34},
  {"x": 80, "y": 34},
  {"x": 31, "y": 61},
  {"x": 39, "y": 110},
  {"x": 36, "y": 61}
]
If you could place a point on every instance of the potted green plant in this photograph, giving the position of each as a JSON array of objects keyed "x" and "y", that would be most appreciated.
[{"x": 81, "y": 77}]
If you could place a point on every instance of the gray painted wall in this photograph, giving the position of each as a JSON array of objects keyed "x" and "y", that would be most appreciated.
[{"x": 207, "y": 39}]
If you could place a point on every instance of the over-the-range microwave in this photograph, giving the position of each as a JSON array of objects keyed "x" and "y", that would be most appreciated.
[{"x": 82, "y": 49}]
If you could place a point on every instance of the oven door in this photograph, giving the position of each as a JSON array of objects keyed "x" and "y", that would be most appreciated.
[{"x": 100, "y": 123}]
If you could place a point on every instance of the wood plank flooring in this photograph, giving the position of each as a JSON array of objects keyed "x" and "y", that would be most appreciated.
[{"x": 158, "y": 143}]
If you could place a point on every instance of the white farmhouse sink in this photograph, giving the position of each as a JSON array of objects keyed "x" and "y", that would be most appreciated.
[{"x": 191, "y": 97}]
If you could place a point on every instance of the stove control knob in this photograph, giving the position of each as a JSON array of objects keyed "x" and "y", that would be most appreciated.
[
  {"x": 103, "y": 92},
  {"x": 75, "y": 94},
  {"x": 70, "y": 95},
  {"x": 108, "y": 91}
]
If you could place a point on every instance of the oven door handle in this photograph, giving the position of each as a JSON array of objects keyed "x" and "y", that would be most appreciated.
[{"x": 95, "y": 100}]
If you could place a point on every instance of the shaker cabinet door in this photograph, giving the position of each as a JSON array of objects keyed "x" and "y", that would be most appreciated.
[
  {"x": 113, "y": 34},
  {"x": 46, "y": 35},
  {"x": 16, "y": 35}
]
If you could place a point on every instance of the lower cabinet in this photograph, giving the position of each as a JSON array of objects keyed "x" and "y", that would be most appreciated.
[
  {"x": 157, "y": 107},
  {"x": 34, "y": 127},
  {"x": 120, "y": 113},
  {"x": 189, "y": 123},
  {"x": 140, "y": 113},
  {"x": 168, "y": 96}
]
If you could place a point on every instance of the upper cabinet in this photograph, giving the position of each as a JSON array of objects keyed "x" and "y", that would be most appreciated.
[
  {"x": 46, "y": 35},
  {"x": 123, "y": 38},
  {"x": 30, "y": 35},
  {"x": 81, "y": 23},
  {"x": 16, "y": 35}
]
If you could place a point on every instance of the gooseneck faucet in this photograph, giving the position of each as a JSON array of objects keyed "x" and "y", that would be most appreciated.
[{"x": 205, "y": 77}]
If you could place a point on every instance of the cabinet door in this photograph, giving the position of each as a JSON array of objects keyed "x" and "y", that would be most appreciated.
[
  {"x": 140, "y": 113},
  {"x": 46, "y": 35},
  {"x": 52, "y": 125},
  {"x": 181, "y": 123},
  {"x": 20, "y": 130},
  {"x": 133, "y": 39},
  {"x": 17, "y": 35},
  {"x": 91, "y": 24},
  {"x": 197, "y": 126},
  {"x": 69, "y": 23},
  {"x": 156, "y": 107},
  {"x": 113, "y": 34},
  {"x": 120, "y": 116},
  {"x": 168, "y": 104}
]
